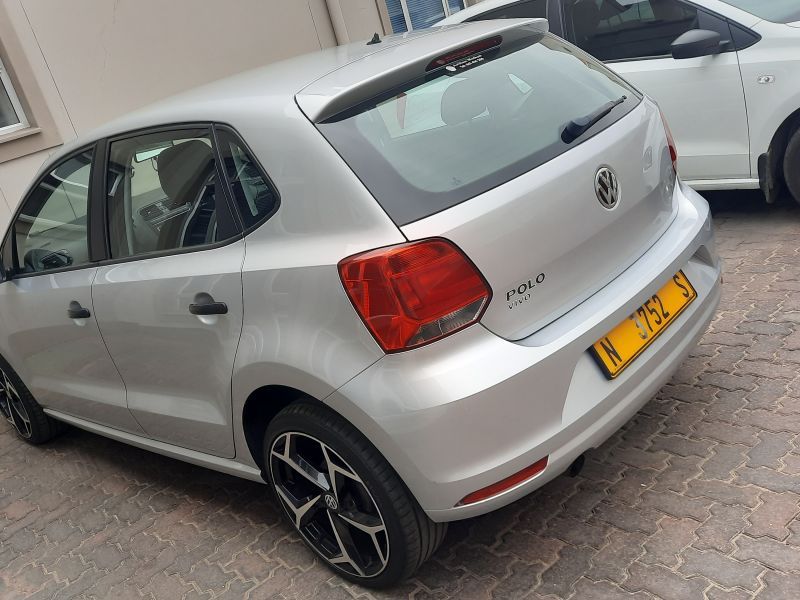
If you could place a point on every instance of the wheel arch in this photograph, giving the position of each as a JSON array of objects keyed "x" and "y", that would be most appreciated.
[
  {"x": 264, "y": 403},
  {"x": 261, "y": 406},
  {"x": 770, "y": 164}
]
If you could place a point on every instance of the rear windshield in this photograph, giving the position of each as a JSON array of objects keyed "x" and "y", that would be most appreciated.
[
  {"x": 475, "y": 123},
  {"x": 777, "y": 11}
]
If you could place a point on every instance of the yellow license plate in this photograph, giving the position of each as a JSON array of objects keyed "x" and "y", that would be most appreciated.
[{"x": 617, "y": 350}]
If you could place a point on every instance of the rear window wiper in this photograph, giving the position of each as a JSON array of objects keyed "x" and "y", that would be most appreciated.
[{"x": 577, "y": 127}]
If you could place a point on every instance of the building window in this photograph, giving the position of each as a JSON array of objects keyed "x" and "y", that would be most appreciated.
[
  {"x": 406, "y": 15},
  {"x": 12, "y": 117}
]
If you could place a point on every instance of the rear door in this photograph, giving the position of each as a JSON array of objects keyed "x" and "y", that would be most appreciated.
[
  {"x": 702, "y": 98},
  {"x": 169, "y": 297},
  {"x": 51, "y": 337}
]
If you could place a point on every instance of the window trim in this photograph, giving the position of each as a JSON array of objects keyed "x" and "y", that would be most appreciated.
[
  {"x": 490, "y": 14},
  {"x": 229, "y": 187},
  {"x": 10, "y": 237},
  {"x": 8, "y": 85},
  {"x": 731, "y": 47},
  {"x": 100, "y": 195}
]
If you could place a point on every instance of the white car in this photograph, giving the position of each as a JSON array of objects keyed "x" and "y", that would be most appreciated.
[{"x": 725, "y": 72}]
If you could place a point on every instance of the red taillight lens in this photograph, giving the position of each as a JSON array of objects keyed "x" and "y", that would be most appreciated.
[
  {"x": 506, "y": 484},
  {"x": 673, "y": 150},
  {"x": 414, "y": 293}
]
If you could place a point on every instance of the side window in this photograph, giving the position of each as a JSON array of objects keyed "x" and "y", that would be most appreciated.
[
  {"x": 163, "y": 194},
  {"x": 50, "y": 231},
  {"x": 530, "y": 9},
  {"x": 613, "y": 30},
  {"x": 254, "y": 196}
]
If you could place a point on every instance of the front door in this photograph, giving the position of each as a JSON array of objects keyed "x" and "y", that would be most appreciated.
[
  {"x": 702, "y": 98},
  {"x": 51, "y": 334},
  {"x": 169, "y": 299}
]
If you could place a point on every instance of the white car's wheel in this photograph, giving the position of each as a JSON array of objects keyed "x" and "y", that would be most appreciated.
[
  {"x": 791, "y": 165},
  {"x": 344, "y": 499}
]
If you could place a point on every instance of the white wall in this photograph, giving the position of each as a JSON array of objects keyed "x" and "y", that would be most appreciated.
[{"x": 98, "y": 59}]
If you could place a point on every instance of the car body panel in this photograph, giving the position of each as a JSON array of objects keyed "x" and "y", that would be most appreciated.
[
  {"x": 63, "y": 361},
  {"x": 176, "y": 366},
  {"x": 224, "y": 465},
  {"x": 703, "y": 101},
  {"x": 300, "y": 329},
  {"x": 776, "y": 55}
]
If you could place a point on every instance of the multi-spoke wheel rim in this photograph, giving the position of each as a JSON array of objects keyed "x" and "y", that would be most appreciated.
[
  {"x": 12, "y": 408},
  {"x": 329, "y": 504}
]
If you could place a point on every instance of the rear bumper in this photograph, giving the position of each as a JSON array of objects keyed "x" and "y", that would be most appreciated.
[{"x": 468, "y": 411}]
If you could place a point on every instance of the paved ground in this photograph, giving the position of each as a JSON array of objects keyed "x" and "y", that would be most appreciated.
[{"x": 697, "y": 497}]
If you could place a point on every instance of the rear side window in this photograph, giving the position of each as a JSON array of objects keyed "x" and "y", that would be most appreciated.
[
  {"x": 636, "y": 29},
  {"x": 164, "y": 194},
  {"x": 459, "y": 131},
  {"x": 254, "y": 195}
]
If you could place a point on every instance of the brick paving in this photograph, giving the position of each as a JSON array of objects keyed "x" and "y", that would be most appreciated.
[{"x": 697, "y": 497}]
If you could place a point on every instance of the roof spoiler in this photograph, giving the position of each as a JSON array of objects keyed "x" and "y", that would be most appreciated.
[{"x": 371, "y": 75}]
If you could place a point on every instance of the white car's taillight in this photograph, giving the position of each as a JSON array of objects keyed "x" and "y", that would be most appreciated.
[{"x": 414, "y": 293}]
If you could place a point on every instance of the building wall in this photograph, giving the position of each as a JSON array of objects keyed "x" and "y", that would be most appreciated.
[{"x": 80, "y": 63}]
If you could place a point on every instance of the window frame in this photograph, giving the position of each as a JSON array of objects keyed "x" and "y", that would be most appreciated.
[
  {"x": 220, "y": 126},
  {"x": 490, "y": 14},
  {"x": 8, "y": 86},
  {"x": 101, "y": 211},
  {"x": 730, "y": 47},
  {"x": 11, "y": 272}
]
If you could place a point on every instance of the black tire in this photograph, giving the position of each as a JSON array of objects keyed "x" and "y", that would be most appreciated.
[
  {"x": 17, "y": 403},
  {"x": 410, "y": 536},
  {"x": 791, "y": 165}
]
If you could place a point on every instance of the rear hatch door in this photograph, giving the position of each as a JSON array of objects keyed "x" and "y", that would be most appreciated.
[{"x": 550, "y": 172}]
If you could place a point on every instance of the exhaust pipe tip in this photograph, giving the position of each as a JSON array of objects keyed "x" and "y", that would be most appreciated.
[{"x": 577, "y": 466}]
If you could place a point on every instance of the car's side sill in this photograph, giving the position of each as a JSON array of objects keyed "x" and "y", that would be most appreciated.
[
  {"x": 723, "y": 184},
  {"x": 224, "y": 465}
]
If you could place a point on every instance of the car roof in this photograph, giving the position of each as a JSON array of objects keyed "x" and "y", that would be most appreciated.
[{"x": 320, "y": 72}]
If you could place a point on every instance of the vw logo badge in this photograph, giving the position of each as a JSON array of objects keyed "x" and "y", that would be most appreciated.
[
  {"x": 330, "y": 502},
  {"x": 606, "y": 186}
]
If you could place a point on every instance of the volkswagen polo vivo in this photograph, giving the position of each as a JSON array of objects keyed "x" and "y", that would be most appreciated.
[{"x": 403, "y": 282}]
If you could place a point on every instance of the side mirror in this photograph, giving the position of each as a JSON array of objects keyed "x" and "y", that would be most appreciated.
[{"x": 697, "y": 42}]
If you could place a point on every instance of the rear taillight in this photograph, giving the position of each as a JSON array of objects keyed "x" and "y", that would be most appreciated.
[
  {"x": 412, "y": 294},
  {"x": 673, "y": 150}
]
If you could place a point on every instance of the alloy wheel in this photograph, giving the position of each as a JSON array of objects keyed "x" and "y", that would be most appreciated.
[
  {"x": 12, "y": 408},
  {"x": 329, "y": 504}
]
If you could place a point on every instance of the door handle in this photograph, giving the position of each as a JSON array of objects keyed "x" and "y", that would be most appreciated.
[
  {"x": 76, "y": 311},
  {"x": 202, "y": 309}
]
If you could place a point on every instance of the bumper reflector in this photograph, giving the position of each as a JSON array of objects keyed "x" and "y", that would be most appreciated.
[{"x": 505, "y": 484}]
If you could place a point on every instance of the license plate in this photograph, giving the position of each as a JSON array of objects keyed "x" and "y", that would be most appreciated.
[{"x": 617, "y": 350}]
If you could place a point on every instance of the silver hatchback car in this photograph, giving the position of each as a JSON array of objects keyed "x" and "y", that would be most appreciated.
[{"x": 403, "y": 282}]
